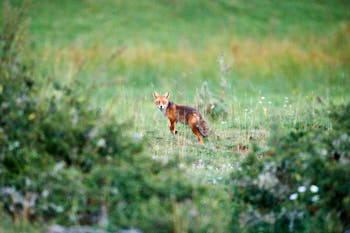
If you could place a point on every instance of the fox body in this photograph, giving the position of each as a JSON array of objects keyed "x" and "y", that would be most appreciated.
[{"x": 183, "y": 114}]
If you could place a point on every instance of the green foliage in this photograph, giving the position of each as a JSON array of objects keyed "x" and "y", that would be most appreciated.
[
  {"x": 62, "y": 160},
  {"x": 210, "y": 105},
  {"x": 302, "y": 183}
]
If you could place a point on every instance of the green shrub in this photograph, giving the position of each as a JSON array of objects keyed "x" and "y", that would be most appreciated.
[
  {"x": 61, "y": 160},
  {"x": 302, "y": 183}
]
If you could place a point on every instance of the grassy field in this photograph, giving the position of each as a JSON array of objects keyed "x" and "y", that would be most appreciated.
[{"x": 265, "y": 63}]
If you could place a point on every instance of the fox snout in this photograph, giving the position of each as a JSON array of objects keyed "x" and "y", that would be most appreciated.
[{"x": 162, "y": 107}]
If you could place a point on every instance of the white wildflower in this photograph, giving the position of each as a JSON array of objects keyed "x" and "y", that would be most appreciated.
[
  {"x": 293, "y": 197},
  {"x": 59, "y": 209},
  {"x": 45, "y": 193},
  {"x": 263, "y": 97},
  {"x": 301, "y": 189},
  {"x": 315, "y": 198},
  {"x": 323, "y": 152},
  {"x": 16, "y": 144},
  {"x": 214, "y": 181},
  {"x": 59, "y": 166},
  {"x": 314, "y": 189},
  {"x": 260, "y": 102},
  {"x": 115, "y": 191},
  {"x": 101, "y": 142}
]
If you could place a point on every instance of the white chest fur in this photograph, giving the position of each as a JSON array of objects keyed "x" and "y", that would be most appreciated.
[{"x": 163, "y": 111}]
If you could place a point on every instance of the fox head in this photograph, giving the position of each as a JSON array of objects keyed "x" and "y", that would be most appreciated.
[{"x": 161, "y": 101}]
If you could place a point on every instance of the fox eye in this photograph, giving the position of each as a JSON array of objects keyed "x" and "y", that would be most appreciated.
[{"x": 157, "y": 102}]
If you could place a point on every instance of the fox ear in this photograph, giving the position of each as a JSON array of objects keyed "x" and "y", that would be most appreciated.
[
  {"x": 155, "y": 94},
  {"x": 166, "y": 95}
]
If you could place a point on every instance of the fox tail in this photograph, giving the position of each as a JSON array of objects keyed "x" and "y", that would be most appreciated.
[{"x": 203, "y": 128}]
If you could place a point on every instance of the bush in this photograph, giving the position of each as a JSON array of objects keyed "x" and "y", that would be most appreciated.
[
  {"x": 61, "y": 160},
  {"x": 302, "y": 183}
]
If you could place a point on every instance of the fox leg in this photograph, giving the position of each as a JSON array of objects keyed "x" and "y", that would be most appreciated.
[
  {"x": 193, "y": 125},
  {"x": 172, "y": 128}
]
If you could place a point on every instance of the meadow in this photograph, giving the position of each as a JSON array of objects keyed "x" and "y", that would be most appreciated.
[
  {"x": 281, "y": 57},
  {"x": 249, "y": 66}
]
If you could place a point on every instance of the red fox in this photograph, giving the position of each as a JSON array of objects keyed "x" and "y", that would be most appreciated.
[{"x": 183, "y": 114}]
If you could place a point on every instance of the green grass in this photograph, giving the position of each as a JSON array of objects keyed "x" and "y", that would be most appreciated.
[
  {"x": 8, "y": 225},
  {"x": 282, "y": 53}
]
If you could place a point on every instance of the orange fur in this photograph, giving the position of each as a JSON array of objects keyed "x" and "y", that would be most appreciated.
[{"x": 183, "y": 114}]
